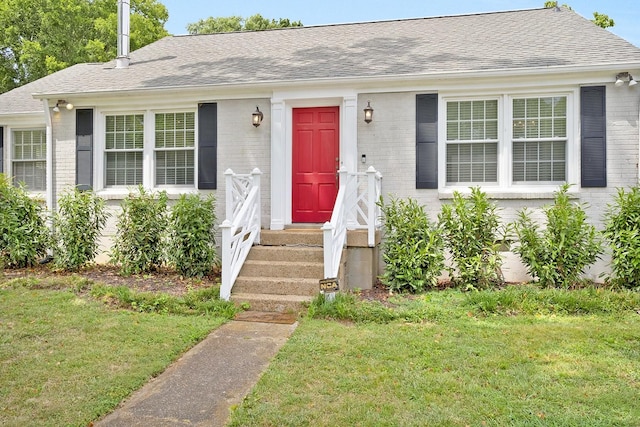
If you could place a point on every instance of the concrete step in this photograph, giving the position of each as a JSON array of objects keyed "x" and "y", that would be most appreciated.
[
  {"x": 276, "y": 303},
  {"x": 305, "y": 270},
  {"x": 286, "y": 253},
  {"x": 292, "y": 237},
  {"x": 276, "y": 286}
]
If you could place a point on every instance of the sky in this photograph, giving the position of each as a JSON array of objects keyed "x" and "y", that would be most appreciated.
[{"x": 625, "y": 13}]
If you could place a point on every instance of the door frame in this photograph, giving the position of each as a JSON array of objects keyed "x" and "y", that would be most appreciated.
[
  {"x": 323, "y": 181},
  {"x": 282, "y": 105}
]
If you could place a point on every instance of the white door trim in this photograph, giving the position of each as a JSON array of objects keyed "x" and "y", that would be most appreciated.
[{"x": 281, "y": 144}]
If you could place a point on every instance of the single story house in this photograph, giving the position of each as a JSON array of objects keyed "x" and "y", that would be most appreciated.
[{"x": 516, "y": 102}]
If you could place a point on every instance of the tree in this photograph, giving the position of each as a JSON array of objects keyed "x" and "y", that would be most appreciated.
[
  {"x": 41, "y": 37},
  {"x": 229, "y": 24},
  {"x": 600, "y": 19}
]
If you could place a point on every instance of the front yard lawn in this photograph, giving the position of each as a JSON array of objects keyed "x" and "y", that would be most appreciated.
[
  {"x": 67, "y": 360},
  {"x": 459, "y": 367}
]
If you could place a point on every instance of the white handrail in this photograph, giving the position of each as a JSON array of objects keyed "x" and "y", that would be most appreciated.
[
  {"x": 355, "y": 208},
  {"x": 241, "y": 228},
  {"x": 335, "y": 231},
  {"x": 364, "y": 212}
]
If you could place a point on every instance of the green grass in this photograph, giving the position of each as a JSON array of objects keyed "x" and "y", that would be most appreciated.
[
  {"x": 68, "y": 360},
  {"x": 459, "y": 365}
]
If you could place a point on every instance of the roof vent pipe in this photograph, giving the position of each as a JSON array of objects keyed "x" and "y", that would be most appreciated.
[{"x": 122, "y": 60}]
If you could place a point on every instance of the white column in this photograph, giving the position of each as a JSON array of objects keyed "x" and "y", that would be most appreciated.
[
  {"x": 278, "y": 165},
  {"x": 349, "y": 142}
]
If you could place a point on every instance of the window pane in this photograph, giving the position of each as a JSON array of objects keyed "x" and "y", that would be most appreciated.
[
  {"x": 478, "y": 110},
  {"x": 124, "y": 132},
  {"x": 532, "y": 107},
  {"x": 177, "y": 131},
  {"x": 123, "y": 168},
  {"x": 465, "y": 131},
  {"x": 31, "y": 174},
  {"x": 465, "y": 110},
  {"x": 546, "y": 107},
  {"x": 175, "y": 167},
  {"x": 491, "y": 128},
  {"x": 478, "y": 130},
  {"x": 452, "y": 111},
  {"x": 546, "y": 128},
  {"x": 560, "y": 128},
  {"x": 542, "y": 161},
  {"x": 452, "y": 131},
  {"x": 491, "y": 109},
  {"x": 29, "y": 152},
  {"x": 475, "y": 162}
]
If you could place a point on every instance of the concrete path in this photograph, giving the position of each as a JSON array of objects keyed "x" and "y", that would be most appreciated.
[{"x": 201, "y": 386}]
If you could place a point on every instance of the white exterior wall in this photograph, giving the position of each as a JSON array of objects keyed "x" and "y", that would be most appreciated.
[
  {"x": 243, "y": 147},
  {"x": 64, "y": 152},
  {"x": 389, "y": 145}
]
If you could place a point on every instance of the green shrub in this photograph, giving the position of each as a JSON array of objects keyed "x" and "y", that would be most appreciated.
[
  {"x": 24, "y": 235},
  {"x": 80, "y": 219},
  {"x": 622, "y": 231},
  {"x": 471, "y": 226},
  {"x": 141, "y": 228},
  {"x": 412, "y": 248},
  {"x": 192, "y": 243},
  {"x": 558, "y": 254}
]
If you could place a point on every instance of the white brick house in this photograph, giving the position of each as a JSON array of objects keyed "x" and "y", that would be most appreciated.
[{"x": 516, "y": 102}]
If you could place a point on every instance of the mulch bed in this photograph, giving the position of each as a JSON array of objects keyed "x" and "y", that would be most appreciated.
[{"x": 163, "y": 280}]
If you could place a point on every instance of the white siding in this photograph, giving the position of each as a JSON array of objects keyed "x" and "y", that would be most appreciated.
[{"x": 389, "y": 145}]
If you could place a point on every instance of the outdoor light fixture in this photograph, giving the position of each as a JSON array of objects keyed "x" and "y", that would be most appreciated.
[
  {"x": 62, "y": 103},
  {"x": 257, "y": 117},
  {"x": 368, "y": 112},
  {"x": 621, "y": 77}
]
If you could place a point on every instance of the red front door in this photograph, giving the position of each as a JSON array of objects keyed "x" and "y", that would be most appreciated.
[{"x": 316, "y": 146}]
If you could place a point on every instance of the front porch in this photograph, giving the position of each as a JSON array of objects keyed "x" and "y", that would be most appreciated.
[{"x": 280, "y": 270}]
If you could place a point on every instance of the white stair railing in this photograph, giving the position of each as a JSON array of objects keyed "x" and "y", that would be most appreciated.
[
  {"x": 364, "y": 212},
  {"x": 355, "y": 208},
  {"x": 241, "y": 228},
  {"x": 335, "y": 231}
]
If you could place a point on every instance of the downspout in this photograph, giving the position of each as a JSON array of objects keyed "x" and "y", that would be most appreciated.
[
  {"x": 50, "y": 148},
  {"x": 124, "y": 9}
]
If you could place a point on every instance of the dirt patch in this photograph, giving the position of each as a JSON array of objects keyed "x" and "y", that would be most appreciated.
[{"x": 163, "y": 280}]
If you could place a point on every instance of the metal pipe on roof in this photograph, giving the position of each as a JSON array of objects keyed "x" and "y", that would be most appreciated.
[{"x": 124, "y": 8}]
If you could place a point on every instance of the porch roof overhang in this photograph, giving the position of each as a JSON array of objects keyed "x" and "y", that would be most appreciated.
[{"x": 459, "y": 79}]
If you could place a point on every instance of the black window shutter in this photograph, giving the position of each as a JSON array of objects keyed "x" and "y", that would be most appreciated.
[
  {"x": 207, "y": 145},
  {"x": 427, "y": 141},
  {"x": 84, "y": 149},
  {"x": 593, "y": 144},
  {"x": 1, "y": 149}
]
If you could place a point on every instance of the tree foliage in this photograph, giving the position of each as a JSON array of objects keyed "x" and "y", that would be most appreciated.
[
  {"x": 41, "y": 37},
  {"x": 600, "y": 19},
  {"x": 229, "y": 24}
]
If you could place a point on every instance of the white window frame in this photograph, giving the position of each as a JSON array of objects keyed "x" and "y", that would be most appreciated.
[
  {"x": 498, "y": 142},
  {"x": 505, "y": 185},
  {"x": 9, "y": 151},
  {"x": 176, "y": 149},
  {"x": 148, "y": 153}
]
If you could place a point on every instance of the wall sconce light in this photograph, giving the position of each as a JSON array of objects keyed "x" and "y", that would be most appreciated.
[
  {"x": 368, "y": 112},
  {"x": 62, "y": 103},
  {"x": 257, "y": 117},
  {"x": 621, "y": 77}
]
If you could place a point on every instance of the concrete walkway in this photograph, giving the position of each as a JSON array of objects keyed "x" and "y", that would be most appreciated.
[{"x": 201, "y": 386}]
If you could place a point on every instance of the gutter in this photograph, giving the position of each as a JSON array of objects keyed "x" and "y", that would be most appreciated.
[
  {"x": 361, "y": 81},
  {"x": 50, "y": 149}
]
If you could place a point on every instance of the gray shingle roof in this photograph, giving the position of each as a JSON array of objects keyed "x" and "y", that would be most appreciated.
[{"x": 500, "y": 41}]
